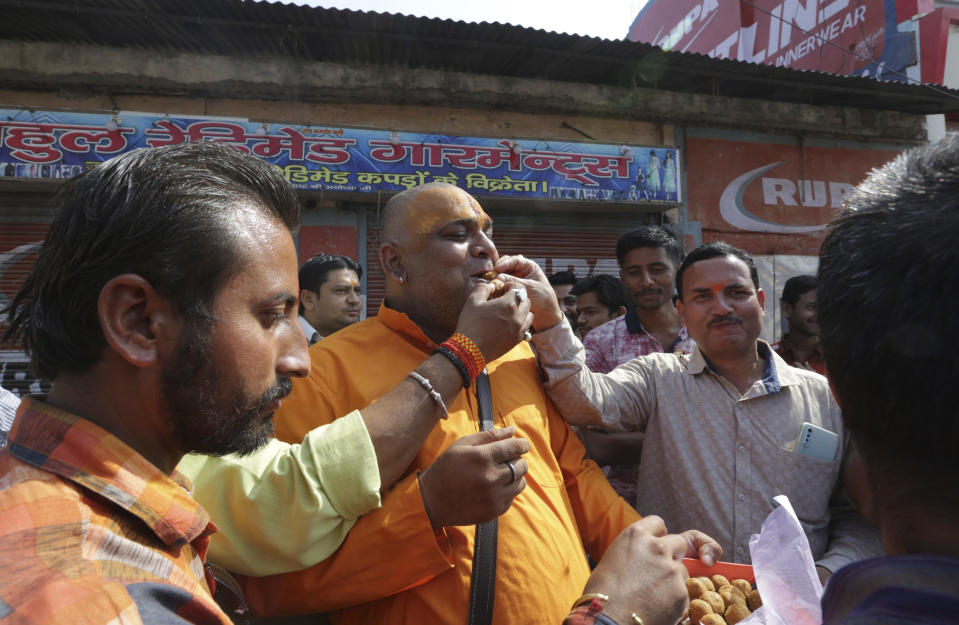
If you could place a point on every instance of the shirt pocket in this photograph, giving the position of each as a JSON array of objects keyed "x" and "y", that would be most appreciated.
[
  {"x": 532, "y": 424},
  {"x": 808, "y": 483}
]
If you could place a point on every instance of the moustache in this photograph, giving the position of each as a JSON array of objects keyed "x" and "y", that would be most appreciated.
[
  {"x": 730, "y": 318},
  {"x": 649, "y": 292},
  {"x": 282, "y": 388}
]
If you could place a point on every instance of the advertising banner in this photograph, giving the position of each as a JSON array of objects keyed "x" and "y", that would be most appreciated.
[
  {"x": 849, "y": 37},
  {"x": 772, "y": 198},
  {"x": 44, "y": 144}
]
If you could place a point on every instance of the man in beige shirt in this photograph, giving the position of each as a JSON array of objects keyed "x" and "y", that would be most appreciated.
[{"x": 721, "y": 424}]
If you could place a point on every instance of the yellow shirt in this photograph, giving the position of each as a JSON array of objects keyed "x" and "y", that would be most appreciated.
[
  {"x": 391, "y": 567},
  {"x": 285, "y": 507}
]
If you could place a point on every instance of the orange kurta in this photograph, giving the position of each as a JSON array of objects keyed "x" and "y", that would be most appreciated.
[{"x": 392, "y": 569}]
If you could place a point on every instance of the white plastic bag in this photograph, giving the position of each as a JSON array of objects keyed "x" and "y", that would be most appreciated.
[{"x": 785, "y": 571}]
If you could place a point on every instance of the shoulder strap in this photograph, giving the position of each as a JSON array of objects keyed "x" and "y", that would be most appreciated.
[{"x": 483, "y": 578}]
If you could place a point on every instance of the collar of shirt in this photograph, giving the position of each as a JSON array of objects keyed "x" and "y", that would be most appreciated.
[
  {"x": 634, "y": 326},
  {"x": 311, "y": 333},
  {"x": 83, "y": 453},
  {"x": 776, "y": 373},
  {"x": 404, "y": 326}
]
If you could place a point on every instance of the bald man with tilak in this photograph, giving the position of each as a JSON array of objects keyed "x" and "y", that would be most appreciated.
[{"x": 411, "y": 561}]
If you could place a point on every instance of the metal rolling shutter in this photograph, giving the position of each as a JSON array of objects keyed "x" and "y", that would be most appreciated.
[
  {"x": 585, "y": 253},
  {"x": 375, "y": 279},
  {"x": 19, "y": 245}
]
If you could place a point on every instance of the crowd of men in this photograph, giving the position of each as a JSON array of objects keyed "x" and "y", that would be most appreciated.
[{"x": 425, "y": 467}]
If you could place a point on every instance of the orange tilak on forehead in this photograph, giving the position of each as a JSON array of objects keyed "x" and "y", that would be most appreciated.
[
  {"x": 717, "y": 287},
  {"x": 431, "y": 208},
  {"x": 478, "y": 212}
]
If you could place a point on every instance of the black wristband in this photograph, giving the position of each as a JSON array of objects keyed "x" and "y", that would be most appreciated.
[{"x": 456, "y": 363}]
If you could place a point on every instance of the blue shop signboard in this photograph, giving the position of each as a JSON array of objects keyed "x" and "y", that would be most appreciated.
[{"x": 48, "y": 144}]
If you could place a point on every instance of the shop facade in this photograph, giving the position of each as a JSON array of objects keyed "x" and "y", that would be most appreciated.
[{"x": 565, "y": 158}]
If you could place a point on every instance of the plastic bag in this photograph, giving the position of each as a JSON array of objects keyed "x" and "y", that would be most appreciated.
[{"x": 785, "y": 571}]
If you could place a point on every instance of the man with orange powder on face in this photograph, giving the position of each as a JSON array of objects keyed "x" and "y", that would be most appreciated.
[{"x": 411, "y": 561}]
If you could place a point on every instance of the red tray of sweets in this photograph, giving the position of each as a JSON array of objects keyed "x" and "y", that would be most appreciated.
[{"x": 730, "y": 570}]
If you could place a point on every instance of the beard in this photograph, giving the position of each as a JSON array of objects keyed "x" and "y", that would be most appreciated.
[{"x": 206, "y": 419}]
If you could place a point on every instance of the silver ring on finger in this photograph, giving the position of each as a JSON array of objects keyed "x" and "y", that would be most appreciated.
[
  {"x": 512, "y": 471},
  {"x": 521, "y": 296},
  {"x": 527, "y": 336}
]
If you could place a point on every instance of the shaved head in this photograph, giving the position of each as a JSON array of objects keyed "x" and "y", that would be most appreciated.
[
  {"x": 414, "y": 213},
  {"x": 435, "y": 246}
]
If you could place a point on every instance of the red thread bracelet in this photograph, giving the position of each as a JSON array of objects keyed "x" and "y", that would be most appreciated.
[{"x": 468, "y": 352}]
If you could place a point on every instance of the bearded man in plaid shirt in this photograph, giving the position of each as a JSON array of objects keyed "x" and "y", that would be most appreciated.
[{"x": 163, "y": 307}]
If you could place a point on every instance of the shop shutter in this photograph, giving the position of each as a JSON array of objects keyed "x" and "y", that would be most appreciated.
[
  {"x": 375, "y": 279},
  {"x": 19, "y": 245},
  {"x": 585, "y": 253}
]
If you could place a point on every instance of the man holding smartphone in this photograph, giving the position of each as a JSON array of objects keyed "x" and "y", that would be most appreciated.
[{"x": 723, "y": 425}]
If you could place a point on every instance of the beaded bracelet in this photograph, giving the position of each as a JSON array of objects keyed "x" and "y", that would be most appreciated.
[
  {"x": 468, "y": 353},
  {"x": 432, "y": 392},
  {"x": 456, "y": 349}
]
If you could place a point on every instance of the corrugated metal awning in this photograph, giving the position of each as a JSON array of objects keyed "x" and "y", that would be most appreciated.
[{"x": 237, "y": 27}]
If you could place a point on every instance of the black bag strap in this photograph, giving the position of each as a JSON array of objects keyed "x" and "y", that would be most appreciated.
[{"x": 483, "y": 578}]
